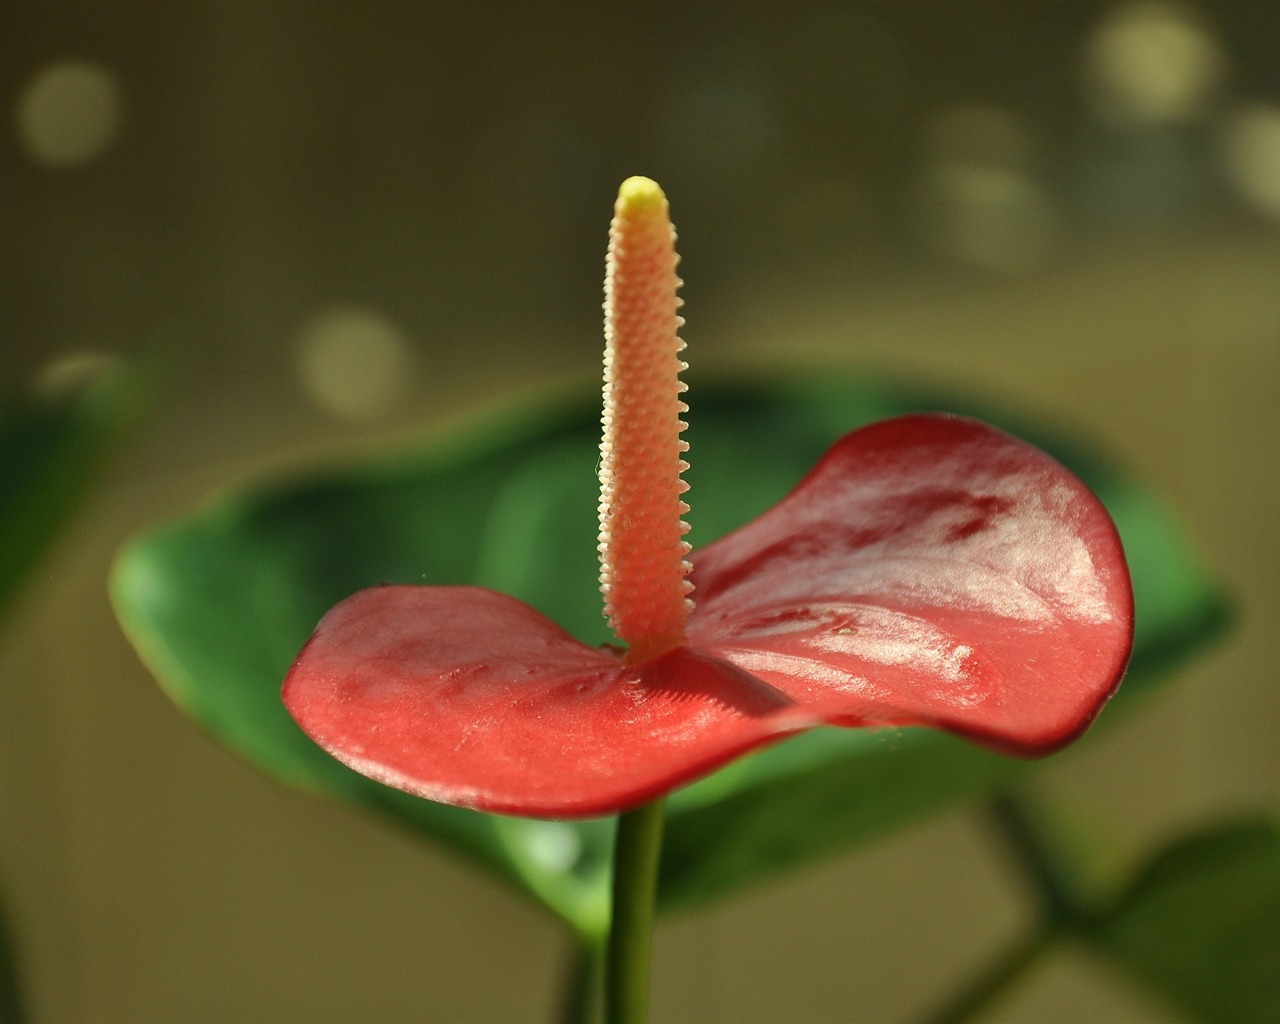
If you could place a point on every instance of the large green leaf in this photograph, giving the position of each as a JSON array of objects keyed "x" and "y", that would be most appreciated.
[
  {"x": 1201, "y": 925},
  {"x": 218, "y": 606},
  {"x": 50, "y": 446}
]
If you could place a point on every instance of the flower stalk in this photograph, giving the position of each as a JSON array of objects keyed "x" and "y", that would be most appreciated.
[
  {"x": 643, "y": 566},
  {"x": 637, "y": 852}
]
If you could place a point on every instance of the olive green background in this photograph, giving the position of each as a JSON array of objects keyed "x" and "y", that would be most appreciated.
[{"x": 930, "y": 190}]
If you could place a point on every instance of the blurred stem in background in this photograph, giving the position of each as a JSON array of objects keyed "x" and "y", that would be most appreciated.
[
  {"x": 995, "y": 981},
  {"x": 581, "y": 985},
  {"x": 11, "y": 1011},
  {"x": 1060, "y": 910}
]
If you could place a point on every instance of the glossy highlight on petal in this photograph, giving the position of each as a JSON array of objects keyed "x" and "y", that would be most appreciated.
[{"x": 930, "y": 570}]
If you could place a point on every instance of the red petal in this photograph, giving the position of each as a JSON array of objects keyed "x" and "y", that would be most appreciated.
[
  {"x": 468, "y": 697},
  {"x": 930, "y": 570}
]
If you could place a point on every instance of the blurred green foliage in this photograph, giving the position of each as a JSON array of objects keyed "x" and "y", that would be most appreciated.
[
  {"x": 218, "y": 606},
  {"x": 51, "y": 444},
  {"x": 1200, "y": 924}
]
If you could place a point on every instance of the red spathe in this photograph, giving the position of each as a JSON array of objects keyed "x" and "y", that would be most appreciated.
[{"x": 930, "y": 570}]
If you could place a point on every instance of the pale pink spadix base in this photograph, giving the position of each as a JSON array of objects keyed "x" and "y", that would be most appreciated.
[{"x": 930, "y": 570}]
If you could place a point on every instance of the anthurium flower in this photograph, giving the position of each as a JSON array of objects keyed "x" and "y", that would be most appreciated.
[{"x": 929, "y": 571}]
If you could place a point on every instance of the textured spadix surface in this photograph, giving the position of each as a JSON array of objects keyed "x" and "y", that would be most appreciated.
[{"x": 930, "y": 570}]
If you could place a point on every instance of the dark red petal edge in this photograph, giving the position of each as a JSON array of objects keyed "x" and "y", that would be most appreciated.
[{"x": 930, "y": 570}]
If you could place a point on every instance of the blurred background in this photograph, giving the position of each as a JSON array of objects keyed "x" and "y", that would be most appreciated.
[{"x": 337, "y": 224}]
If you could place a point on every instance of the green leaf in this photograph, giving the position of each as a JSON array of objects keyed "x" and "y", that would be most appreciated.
[
  {"x": 1201, "y": 925},
  {"x": 50, "y": 446},
  {"x": 219, "y": 605}
]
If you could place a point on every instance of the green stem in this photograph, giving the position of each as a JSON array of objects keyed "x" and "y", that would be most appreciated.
[
  {"x": 1043, "y": 869},
  {"x": 1060, "y": 909},
  {"x": 979, "y": 994},
  {"x": 581, "y": 979},
  {"x": 635, "y": 884},
  {"x": 11, "y": 1010}
]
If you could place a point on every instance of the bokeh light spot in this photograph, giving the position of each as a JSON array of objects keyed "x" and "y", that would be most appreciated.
[
  {"x": 1251, "y": 155},
  {"x": 979, "y": 201},
  {"x": 68, "y": 114},
  {"x": 553, "y": 845},
  {"x": 66, "y": 374},
  {"x": 722, "y": 130},
  {"x": 991, "y": 218},
  {"x": 354, "y": 363},
  {"x": 971, "y": 133},
  {"x": 1153, "y": 62}
]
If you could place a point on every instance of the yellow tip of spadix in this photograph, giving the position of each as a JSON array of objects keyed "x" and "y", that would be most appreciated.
[{"x": 638, "y": 192}]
